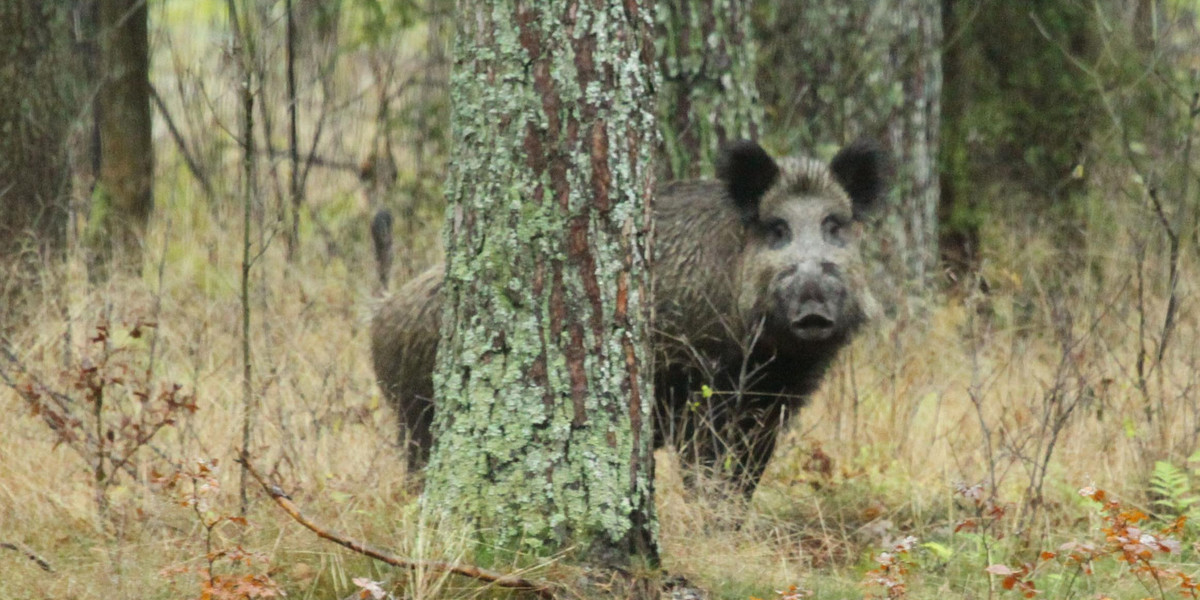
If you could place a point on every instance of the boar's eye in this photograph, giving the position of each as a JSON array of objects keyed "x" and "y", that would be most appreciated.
[
  {"x": 777, "y": 233},
  {"x": 834, "y": 229}
]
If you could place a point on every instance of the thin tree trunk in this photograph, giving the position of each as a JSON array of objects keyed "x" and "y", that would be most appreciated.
[
  {"x": 708, "y": 95},
  {"x": 544, "y": 394},
  {"x": 295, "y": 191},
  {"x": 244, "y": 52},
  {"x": 429, "y": 143}
]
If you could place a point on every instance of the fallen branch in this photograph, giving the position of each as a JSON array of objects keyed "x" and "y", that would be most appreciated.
[
  {"x": 41, "y": 562},
  {"x": 542, "y": 589}
]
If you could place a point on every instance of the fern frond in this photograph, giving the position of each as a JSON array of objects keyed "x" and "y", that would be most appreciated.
[{"x": 1170, "y": 486}]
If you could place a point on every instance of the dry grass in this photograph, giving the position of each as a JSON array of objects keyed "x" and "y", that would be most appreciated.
[{"x": 874, "y": 458}]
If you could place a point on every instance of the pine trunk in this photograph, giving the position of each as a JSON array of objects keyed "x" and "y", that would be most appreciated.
[
  {"x": 708, "y": 95},
  {"x": 544, "y": 395}
]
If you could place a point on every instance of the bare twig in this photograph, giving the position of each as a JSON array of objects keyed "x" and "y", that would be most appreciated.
[
  {"x": 56, "y": 419},
  {"x": 316, "y": 160},
  {"x": 30, "y": 554},
  {"x": 192, "y": 164},
  {"x": 294, "y": 189},
  {"x": 243, "y": 45},
  {"x": 542, "y": 589},
  {"x": 157, "y": 312},
  {"x": 60, "y": 417}
]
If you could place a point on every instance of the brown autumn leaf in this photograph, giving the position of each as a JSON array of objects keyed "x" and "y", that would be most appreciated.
[{"x": 1009, "y": 582}]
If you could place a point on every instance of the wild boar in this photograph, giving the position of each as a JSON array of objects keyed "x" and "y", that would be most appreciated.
[{"x": 759, "y": 283}]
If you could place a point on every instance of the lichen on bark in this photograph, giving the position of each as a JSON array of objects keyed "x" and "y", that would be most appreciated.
[{"x": 542, "y": 426}]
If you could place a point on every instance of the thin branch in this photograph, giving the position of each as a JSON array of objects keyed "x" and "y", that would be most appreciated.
[
  {"x": 542, "y": 589},
  {"x": 1173, "y": 264},
  {"x": 295, "y": 191},
  {"x": 61, "y": 416},
  {"x": 15, "y": 547},
  {"x": 192, "y": 164},
  {"x": 244, "y": 47},
  {"x": 316, "y": 160}
]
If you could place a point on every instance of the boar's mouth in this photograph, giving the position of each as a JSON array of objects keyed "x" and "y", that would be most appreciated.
[{"x": 813, "y": 327}]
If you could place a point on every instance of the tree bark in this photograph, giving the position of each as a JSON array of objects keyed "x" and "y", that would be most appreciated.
[
  {"x": 40, "y": 87},
  {"x": 543, "y": 386},
  {"x": 123, "y": 200},
  {"x": 958, "y": 210},
  {"x": 914, "y": 129},
  {"x": 708, "y": 95}
]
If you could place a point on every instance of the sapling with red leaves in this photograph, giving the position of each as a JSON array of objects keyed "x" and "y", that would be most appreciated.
[
  {"x": 106, "y": 406},
  {"x": 889, "y": 579},
  {"x": 1129, "y": 539},
  {"x": 228, "y": 572}
]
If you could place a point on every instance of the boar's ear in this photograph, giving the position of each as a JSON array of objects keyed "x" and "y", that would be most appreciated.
[
  {"x": 748, "y": 172},
  {"x": 862, "y": 170}
]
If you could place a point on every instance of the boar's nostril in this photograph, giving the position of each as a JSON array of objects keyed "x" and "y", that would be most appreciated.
[{"x": 810, "y": 291}]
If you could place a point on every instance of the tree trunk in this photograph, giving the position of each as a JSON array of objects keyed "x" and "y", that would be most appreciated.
[
  {"x": 544, "y": 394},
  {"x": 839, "y": 70},
  {"x": 914, "y": 35},
  {"x": 958, "y": 211},
  {"x": 122, "y": 200},
  {"x": 429, "y": 143},
  {"x": 708, "y": 95},
  {"x": 40, "y": 89}
]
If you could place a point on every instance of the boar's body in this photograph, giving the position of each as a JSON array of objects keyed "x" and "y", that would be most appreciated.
[{"x": 758, "y": 284}]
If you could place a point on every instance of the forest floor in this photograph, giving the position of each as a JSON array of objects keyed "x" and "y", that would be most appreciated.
[{"x": 960, "y": 450}]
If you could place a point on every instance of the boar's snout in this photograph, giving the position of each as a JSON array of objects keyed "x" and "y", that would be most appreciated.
[{"x": 811, "y": 299}]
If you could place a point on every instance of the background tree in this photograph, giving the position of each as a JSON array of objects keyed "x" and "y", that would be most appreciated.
[
  {"x": 958, "y": 209},
  {"x": 707, "y": 96},
  {"x": 544, "y": 409},
  {"x": 839, "y": 70},
  {"x": 122, "y": 200},
  {"x": 1020, "y": 115},
  {"x": 431, "y": 110},
  {"x": 39, "y": 90}
]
